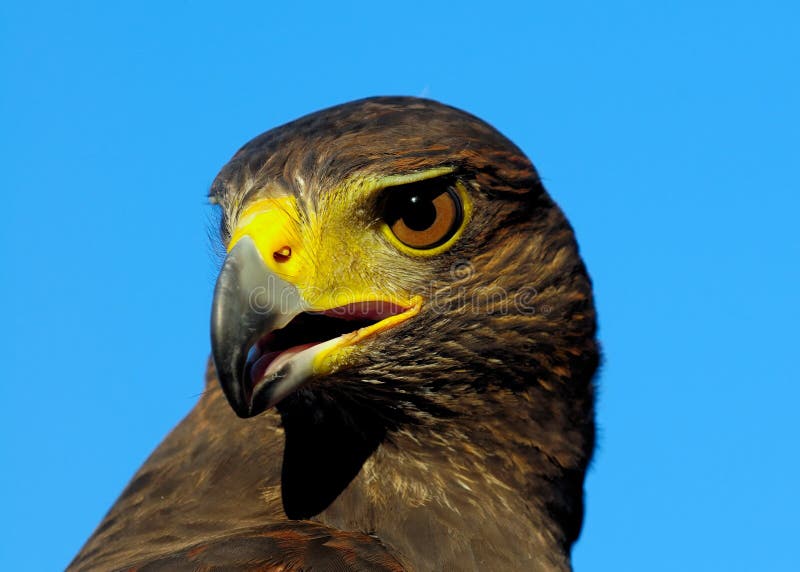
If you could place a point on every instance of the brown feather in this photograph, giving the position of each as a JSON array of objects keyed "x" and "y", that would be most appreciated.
[{"x": 458, "y": 442}]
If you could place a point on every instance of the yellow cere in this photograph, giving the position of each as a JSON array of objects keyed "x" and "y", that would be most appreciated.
[
  {"x": 273, "y": 225},
  {"x": 299, "y": 254}
]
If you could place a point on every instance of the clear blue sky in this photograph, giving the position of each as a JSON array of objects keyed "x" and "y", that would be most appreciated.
[{"x": 668, "y": 131}]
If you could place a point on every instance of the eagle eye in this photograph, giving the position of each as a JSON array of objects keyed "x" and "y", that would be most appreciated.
[{"x": 423, "y": 215}]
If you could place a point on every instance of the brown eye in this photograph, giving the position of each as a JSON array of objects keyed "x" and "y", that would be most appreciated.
[{"x": 423, "y": 215}]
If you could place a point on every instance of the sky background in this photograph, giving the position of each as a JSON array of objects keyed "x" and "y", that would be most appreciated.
[{"x": 668, "y": 131}]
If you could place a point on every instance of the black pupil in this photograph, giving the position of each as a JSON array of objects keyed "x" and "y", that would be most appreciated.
[{"x": 419, "y": 212}]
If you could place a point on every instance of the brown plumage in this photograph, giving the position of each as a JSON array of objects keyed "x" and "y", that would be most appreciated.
[{"x": 458, "y": 440}]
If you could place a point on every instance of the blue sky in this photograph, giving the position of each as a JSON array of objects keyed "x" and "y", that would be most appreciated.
[{"x": 668, "y": 131}]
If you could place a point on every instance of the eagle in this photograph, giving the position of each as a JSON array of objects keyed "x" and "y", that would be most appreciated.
[{"x": 403, "y": 352}]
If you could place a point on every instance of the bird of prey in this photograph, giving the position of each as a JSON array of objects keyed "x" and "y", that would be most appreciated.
[{"x": 403, "y": 352}]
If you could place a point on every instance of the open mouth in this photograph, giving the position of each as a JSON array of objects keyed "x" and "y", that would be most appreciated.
[
  {"x": 345, "y": 324},
  {"x": 268, "y": 339}
]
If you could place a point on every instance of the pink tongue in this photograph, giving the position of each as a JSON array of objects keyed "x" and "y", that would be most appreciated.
[
  {"x": 262, "y": 364},
  {"x": 376, "y": 310}
]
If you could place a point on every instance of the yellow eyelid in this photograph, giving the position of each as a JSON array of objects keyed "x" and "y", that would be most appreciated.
[
  {"x": 366, "y": 186},
  {"x": 406, "y": 178}
]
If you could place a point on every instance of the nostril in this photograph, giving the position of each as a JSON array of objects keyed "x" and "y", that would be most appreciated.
[{"x": 283, "y": 254}]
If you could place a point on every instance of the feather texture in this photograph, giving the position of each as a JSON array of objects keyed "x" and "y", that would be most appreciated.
[{"x": 456, "y": 441}]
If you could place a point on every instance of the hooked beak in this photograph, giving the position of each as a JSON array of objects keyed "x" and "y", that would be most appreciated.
[
  {"x": 249, "y": 300},
  {"x": 267, "y": 341}
]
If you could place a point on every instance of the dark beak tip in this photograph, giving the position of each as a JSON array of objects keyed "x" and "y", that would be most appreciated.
[
  {"x": 242, "y": 413},
  {"x": 231, "y": 389},
  {"x": 239, "y": 404},
  {"x": 236, "y": 323}
]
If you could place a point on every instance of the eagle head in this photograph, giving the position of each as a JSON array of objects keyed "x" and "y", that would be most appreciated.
[{"x": 396, "y": 263}]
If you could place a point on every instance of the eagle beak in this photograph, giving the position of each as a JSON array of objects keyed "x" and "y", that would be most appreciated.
[
  {"x": 249, "y": 299},
  {"x": 267, "y": 338}
]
